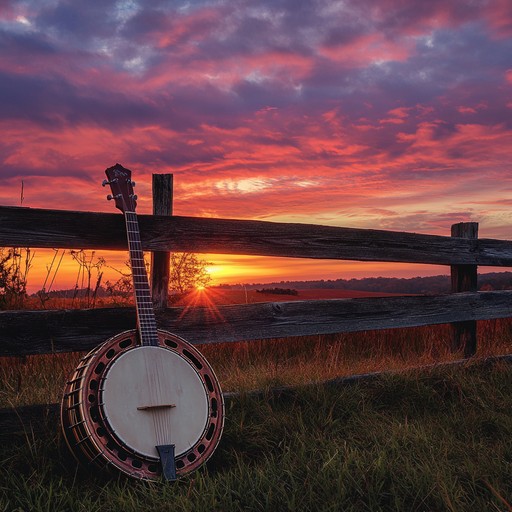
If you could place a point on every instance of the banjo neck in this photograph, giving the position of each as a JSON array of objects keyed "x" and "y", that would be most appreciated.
[
  {"x": 146, "y": 322},
  {"x": 121, "y": 184}
]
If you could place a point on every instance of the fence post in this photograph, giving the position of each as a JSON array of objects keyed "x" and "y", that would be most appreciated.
[
  {"x": 464, "y": 279},
  {"x": 160, "y": 260}
]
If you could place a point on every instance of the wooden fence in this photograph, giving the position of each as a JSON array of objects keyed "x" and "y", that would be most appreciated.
[{"x": 35, "y": 332}]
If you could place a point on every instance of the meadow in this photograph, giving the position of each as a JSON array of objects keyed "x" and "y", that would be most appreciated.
[{"x": 434, "y": 438}]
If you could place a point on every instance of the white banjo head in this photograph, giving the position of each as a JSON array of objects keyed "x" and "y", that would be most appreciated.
[{"x": 151, "y": 396}]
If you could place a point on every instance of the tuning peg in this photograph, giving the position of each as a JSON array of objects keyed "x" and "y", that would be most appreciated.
[
  {"x": 110, "y": 197},
  {"x": 106, "y": 182},
  {"x": 133, "y": 183},
  {"x": 134, "y": 197}
]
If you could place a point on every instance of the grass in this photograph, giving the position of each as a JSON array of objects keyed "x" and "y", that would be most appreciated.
[
  {"x": 430, "y": 441},
  {"x": 426, "y": 440}
]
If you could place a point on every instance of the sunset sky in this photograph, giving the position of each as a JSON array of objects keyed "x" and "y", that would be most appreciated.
[{"x": 386, "y": 114}]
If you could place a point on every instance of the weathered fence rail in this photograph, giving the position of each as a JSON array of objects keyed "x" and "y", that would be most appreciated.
[
  {"x": 36, "y": 332},
  {"x": 31, "y": 227}
]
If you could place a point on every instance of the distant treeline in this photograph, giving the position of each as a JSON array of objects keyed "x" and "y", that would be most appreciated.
[
  {"x": 416, "y": 285},
  {"x": 278, "y": 291}
]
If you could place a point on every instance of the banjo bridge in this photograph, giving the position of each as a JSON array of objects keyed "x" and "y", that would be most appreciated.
[{"x": 159, "y": 406}]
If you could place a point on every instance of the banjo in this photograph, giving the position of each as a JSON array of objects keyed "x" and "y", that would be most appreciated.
[{"x": 145, "y": 403}]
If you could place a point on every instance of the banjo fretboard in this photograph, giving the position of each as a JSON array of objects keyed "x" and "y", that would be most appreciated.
[{"x": 146, "y": 322}]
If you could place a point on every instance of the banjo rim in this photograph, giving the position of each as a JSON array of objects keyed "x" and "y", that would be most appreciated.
[{"x": 85, "y": 429}]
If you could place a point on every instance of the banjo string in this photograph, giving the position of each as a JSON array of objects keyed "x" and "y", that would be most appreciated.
[{"x": 151, "y": 376}]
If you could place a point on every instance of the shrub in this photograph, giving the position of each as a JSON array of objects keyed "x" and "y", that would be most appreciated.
[{"x": 14, "y": 266}]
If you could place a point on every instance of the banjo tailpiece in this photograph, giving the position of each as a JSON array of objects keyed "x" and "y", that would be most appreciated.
[
  {"x": 145, "y": 403},
  {"x": 166, "y": 453}
]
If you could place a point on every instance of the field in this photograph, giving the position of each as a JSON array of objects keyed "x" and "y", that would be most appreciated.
[
  {"x": 221, "y": 296},
  {"x": 204, "y": 297},
  {"x": 433, "y": 439}
]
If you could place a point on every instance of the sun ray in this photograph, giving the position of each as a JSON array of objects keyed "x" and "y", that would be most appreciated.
[{"x": 202, "y": 298}]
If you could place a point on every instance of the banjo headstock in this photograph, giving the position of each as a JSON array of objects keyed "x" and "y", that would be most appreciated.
[{"x": 121, "y": 184}]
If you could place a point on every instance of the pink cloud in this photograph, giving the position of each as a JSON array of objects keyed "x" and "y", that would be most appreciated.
[
  {"x": 499, "y": 15},
  {"x": 368, "y": 49}
]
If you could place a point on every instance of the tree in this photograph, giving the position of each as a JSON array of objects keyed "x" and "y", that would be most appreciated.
[
  {"x": 14, "y": 266},
  {"x": 188, "y": 272}
]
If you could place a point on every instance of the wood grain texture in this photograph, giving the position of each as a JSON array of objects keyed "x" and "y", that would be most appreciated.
[
  {"x": 160, "y": 260},
  {"x": 28, "y": 227},
  {"x": 464, "y": 279},
  {"x": 33, "y": 332}
]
